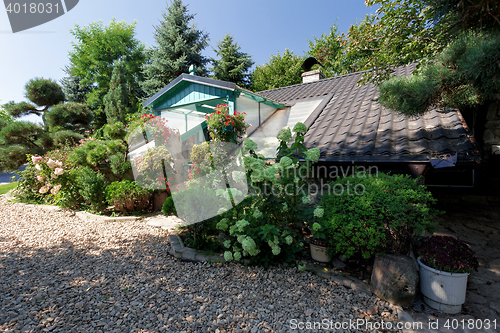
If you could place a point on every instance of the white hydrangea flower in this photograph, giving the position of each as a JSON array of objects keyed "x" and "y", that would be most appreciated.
[
  {"x": 257, "y": 213},
  {"x": 239, "y": 176},
  {"x": 237, "y": 256},
  {"x": 284, "y": 134},
  {"x": 227, "y": 244},
  {"x": 241, "y": 238},
  {"x": 249, "y": 246},
  {"x": 289, "y": 240},
  {"x": 306, "y": 200},
  {"x": 285, "y": 161},
  {"x": 316, "y": 226},
  {"x": 228, "y": 256},
  {"x": 318, "y": 212},
  {"x": 299, "y": 127},
  {"x": 313, "y": 154},
  {"x": 276, "y": 250},
  {"x": 248, "y": 144},
  {"x": 222, "y": 224},
  {"x": 270, "y": 175}
]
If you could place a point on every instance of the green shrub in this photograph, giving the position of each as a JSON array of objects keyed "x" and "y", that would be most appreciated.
[
  {"x": 169, "y": 207},
  {"x": 384, "y": 218},
  {"x": 69, "y": 195},
  {"x": 126, "y": 196},
  {"x": 92, "y": 187}
]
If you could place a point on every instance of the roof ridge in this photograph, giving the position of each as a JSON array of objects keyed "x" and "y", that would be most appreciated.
[{"x": 314, "y": 82}]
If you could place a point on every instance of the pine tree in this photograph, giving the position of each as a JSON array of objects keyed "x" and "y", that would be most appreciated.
[
  {"x": 233, "y": 65},
  {"x": 179, "y": 45},
  {"x": 63, "y": 123},
  {"x": 116, "y": 100}
]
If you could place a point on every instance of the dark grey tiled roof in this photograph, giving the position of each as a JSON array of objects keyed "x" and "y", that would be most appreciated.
[{"x": 354, "y": 126}]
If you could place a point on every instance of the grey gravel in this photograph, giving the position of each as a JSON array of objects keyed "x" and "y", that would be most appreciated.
[{"x": 62, "y": 274}]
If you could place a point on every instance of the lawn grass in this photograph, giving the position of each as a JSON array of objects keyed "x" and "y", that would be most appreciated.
[{"x": 7, "y": 187}]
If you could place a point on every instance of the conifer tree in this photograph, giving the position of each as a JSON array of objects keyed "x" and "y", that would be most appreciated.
[
  {"x": 179, "y": 45},
  {"x": 233, "y": 65},
  {"x": 116, "y": 100},
  {"x": 62, "y": 123}
]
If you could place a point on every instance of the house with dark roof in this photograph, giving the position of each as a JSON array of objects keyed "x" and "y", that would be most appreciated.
[{"x": 344, "y": 120}]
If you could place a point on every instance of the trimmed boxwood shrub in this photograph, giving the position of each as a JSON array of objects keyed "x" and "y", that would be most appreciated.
[
  {"x": 169, "y": 207},
  {"x": 375, "y": 215}
]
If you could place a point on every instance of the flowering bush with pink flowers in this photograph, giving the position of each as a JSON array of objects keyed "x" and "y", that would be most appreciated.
[{"x": 49, "y": 179}]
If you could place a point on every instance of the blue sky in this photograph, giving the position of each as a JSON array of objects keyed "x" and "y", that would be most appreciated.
[{"x": 261, "y": 27}]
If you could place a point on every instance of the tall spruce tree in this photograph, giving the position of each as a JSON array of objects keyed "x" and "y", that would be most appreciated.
[
  {"x": 233, "y": 65},
  {"x": 179, "y": 45},
  {"x": 116, "y": 100}
]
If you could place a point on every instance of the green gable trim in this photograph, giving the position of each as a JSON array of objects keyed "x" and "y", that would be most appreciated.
[
  {"x": 189, "y": 89},
  {"x": 190, "y": 93}
]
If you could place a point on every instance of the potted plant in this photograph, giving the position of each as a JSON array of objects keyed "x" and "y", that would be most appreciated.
[
  {"x": 445, "y": 263},
  {"x": 126, "y": 196},
  {"x": 318, "y": 244}
]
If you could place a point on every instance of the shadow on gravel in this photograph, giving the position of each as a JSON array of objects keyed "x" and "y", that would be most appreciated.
[{"x": 64, "y": 286}]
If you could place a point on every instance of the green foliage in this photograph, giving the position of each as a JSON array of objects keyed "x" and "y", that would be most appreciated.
[
  {"x": 281, "y": 71},
  {"x": 49, "y": 179},
  {"x": 93, "y": 58},
  {"x": 266, "y": 225},
  {"x": 330, "y": 50},
  {"x": 465, "y": 74},
  {"x": 367, "y": 215},
  {"x": 28, "y": 185},
  {"x": 460, "y": 16},
  {"x": 178, "y": 45},
  {"x": 71, "y": 116},
  {"x": 66, "y": 138},
  {"x": 44, "y": 92},
  {"x": 169, "y": 207},
  {"x": 116, "y": 101},
  {"x": 126, "y": 196},
  {"x": 92, "y": 187},
  {"x": 5, "y": 117},
  {"x": 233, "y": 65},
  {"x": 401, "y": 33},
  {"x": 19, "y": 138},
  {"x": 105, "y": 156}
]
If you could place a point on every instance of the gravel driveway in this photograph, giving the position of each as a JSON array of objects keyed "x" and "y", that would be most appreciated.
[{"x": 62, "y": 274}]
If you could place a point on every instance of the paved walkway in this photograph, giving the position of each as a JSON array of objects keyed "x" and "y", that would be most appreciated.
[{"x": 476, "y": 220}]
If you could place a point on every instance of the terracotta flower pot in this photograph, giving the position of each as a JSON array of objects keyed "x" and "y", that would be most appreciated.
[{"x": 158, "y": 200}]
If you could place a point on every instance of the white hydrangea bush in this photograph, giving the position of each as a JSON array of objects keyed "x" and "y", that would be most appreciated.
[{"x": 266, "y": 226}]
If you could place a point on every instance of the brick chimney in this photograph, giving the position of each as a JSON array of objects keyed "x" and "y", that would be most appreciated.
[{"x": 312, "y": 76}]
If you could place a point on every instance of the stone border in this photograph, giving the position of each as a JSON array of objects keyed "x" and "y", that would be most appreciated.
[{"x": 180, "y": 251}]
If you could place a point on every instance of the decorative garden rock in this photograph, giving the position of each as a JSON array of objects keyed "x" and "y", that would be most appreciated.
[{"x": 395, "y": 279}]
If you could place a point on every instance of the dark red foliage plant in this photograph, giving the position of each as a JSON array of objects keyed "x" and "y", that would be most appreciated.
[{"x": 447, "y": 254}]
